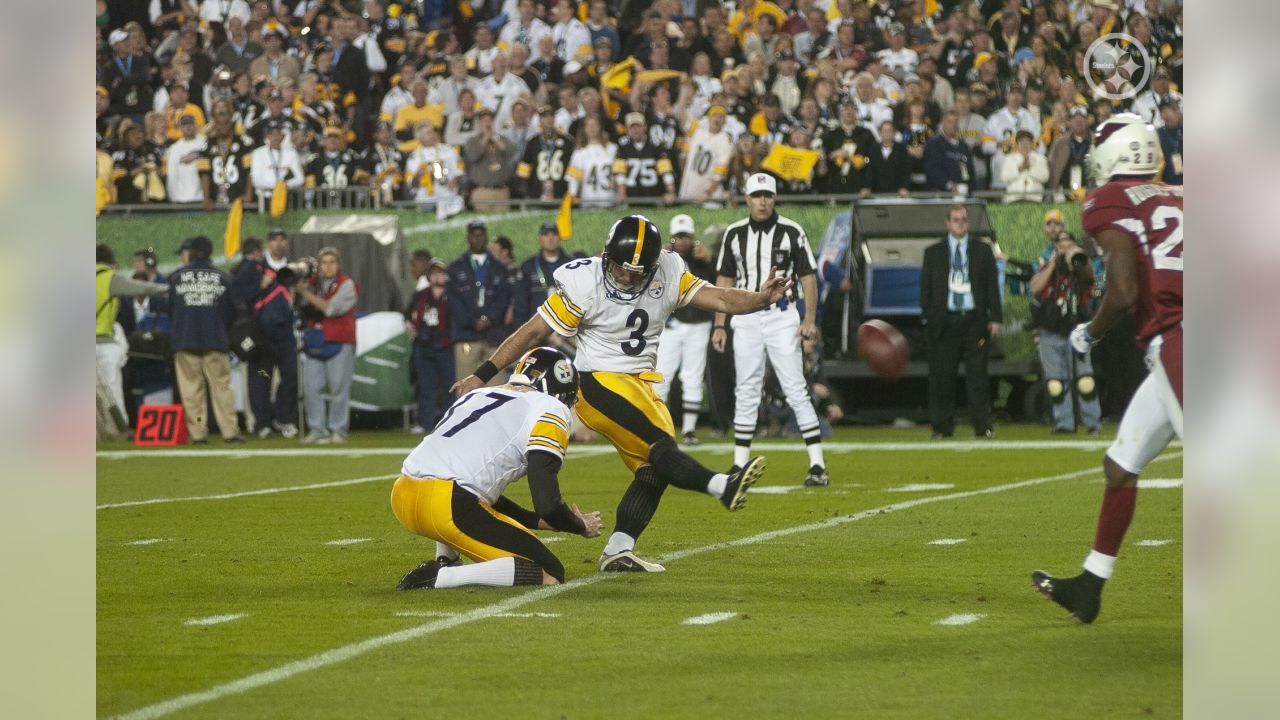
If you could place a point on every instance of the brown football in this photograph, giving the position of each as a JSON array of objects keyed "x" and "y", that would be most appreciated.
[{"x": 883, "y": 349}]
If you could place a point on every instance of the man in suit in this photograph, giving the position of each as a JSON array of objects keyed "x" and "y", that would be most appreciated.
[
  {"x": 479, "y": 292},
  {"x": 960, "y": 299}
]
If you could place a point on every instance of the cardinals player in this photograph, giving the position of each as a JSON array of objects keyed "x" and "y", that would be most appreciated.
[{"x": 1138, "y": 223}]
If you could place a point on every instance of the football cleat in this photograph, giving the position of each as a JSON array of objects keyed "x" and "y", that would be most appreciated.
[
  {"x": 691, "y": 439},
  {"x": 817, "y": 477},
  {"x": 445, "y": 561},
  {"x": 1080, "y": 595},
  {"x": 740, "y": 481},
  {"x": 628, "y": 561},
  {"x": 423, "y": 576},
  {"x": 263, "y": 432},
  {"x": 288, "y": 431}
]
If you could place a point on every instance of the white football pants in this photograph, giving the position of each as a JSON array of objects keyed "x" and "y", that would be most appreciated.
[
  {"x": 769, "y": 332},
  {"x": 683, "y": 347}
]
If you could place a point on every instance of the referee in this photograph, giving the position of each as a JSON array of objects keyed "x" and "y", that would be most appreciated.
[{"x": 753, "y": 248}]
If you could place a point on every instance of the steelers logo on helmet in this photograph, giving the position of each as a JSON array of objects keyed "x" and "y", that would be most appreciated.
[
  {"x": 550, "y": 371},
  {"x": 634, "y": 246}
]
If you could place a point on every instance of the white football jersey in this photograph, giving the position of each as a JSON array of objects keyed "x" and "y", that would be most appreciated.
[
  {"x": 707, "y": 162},
  {"x": 590, "y": 174},
  {"x": 481, "y": 442},
  {"x": 613, "y": 335}
]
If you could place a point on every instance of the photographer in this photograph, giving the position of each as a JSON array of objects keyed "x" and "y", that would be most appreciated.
[
  {"x": 1064, "y": 292},
  {"x": 329, "y": 343},
  {"x": 258, "y": 289}
]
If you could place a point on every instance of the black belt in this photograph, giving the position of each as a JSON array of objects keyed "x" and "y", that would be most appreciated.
[{"x": 962, "y": 313}]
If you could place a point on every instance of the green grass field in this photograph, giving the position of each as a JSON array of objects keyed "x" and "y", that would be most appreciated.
[{"x": 837, "y": 593}]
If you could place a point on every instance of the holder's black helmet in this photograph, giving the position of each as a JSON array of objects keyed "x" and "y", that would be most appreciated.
[
  {"x": 550, "y": 371},
  {"x": 634, "y": 244}
]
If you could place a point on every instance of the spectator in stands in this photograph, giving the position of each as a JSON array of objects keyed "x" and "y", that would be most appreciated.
[
  {"x": 275, "y": 163},
  {"x": 459, "y": 127},
  {"x": 127, "y": 78},
  {"x": 764, "y": 40},
  {"x": 642, "y": 169},
  {"x": 240, "y": 50},
  {"x": 156, "y": 132},
  {"x": 257, "y": 291},
  {"x": 413, "y": 112},
  {"x": 182, "y": 175},
  {"x": 480, "y": 57},
  {"x": 1170, "y": 134},
  {"x": 999, "y": 135},
  {"x": 491, "y": 159},
  {"x": 500, "y": 89},
  {"x": 948, "y": 164},
  {"x": 521, "y": 127},
  {"x": 848, "y": 148},
  {"x": 524, "y": 28},
  {"x": 448, "y": 91},
  {"x": 136, "y": 168},
  {"x": 328, "y": 309},
  {"x": 434, "y": 172},
  {"x": 334, "y": 168},
  {"x": 351, "y": 73},
  {"x": 891, "y": 163},
  {"x": 1147, "y": 104},
  {"x": 427, "y": 322},
  {"x": 222, "y": 12},
  {"x": 1025, "y": 171},
  {"x": 599, "y": 28},
  {"x": 814, "y": 39},
  {"x": 479, "y": 293},
  {"x": 872, "y": 111},
  {"x": 1069, "y": 156},
  {"x": 547, "y": 65},
  {"x": 200, "y": 302},
  {"x": 274, "y": 63},
  {"x": 400, "y": 94}
]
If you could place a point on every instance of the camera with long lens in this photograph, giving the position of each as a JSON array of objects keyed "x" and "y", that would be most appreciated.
[
  {"x": 298, "y": 270},
  {"x": 1075, "y": 261}
]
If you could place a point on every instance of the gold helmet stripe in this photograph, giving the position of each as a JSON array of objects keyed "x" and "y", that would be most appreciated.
[{"x": 635, "y": 259}]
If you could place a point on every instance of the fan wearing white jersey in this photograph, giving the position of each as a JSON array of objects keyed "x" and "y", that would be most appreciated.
[
  {"x": 590, "y": 170},
  {"x": 616, "y": 306},
  {"x": 450, "y": 487},
  {"x": 707, "y": 164}
]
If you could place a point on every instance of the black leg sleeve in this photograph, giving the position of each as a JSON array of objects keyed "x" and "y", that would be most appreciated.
[
  {"x": 530, "y": 573},
  {"x": 640, "y": 502},
  {"x": 677, "y": 468}
]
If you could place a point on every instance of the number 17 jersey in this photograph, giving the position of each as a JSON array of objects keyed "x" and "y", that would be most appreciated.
[
  {"x": 616, "y": 335},
  {"x": 481, "y": 441}
]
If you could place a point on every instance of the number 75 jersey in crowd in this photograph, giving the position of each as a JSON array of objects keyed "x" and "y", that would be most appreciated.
[
  {"x": 481, "y": 441},
  {"x": 1150, "y": 213},
  {"x": 616, "y": 335}
]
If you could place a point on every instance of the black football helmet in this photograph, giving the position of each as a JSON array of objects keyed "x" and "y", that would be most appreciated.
[
  {"x": 550, "y": 371},
  {"x": 634, "y": 244}
]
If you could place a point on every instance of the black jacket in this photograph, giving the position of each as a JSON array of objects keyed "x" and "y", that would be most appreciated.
[
  {"x": 982, "y": 280},
  {"x": 894, "y": 172},
  {"x": 465, "y": 295},
  {"x": 200, "y": 304}
]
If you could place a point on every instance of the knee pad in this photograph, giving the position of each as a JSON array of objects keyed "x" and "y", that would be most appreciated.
[
  {"x": 1087, "y": 387},
  {"x": 1057, "y": 390}
]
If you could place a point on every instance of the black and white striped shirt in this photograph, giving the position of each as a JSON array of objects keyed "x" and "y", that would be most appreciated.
[{"x": 750, "y": 248}]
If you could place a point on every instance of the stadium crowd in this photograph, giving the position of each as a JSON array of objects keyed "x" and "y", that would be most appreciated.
[{"x": 481, "y": 101}]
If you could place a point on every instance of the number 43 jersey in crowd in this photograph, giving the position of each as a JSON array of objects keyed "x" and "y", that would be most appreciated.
[
  {"x": 481, "y": 442},
  {"x": 615, "y": 335}
]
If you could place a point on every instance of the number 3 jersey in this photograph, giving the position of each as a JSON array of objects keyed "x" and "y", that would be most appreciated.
[
  {"x": 615, "y": 335},
  {"x": 1150, "y": 214},
  {"x": 481, "y": 442}
]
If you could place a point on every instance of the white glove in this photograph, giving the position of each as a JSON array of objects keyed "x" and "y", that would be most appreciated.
[{"x": 1081, "y": 341}]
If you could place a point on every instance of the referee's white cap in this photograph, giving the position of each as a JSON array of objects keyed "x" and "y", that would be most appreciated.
[
  {"x": 681, "y": 224},
  {"x": 761, "y": 182}
]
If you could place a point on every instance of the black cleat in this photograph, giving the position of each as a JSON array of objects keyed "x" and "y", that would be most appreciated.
[
  {"x": 1080, "y": 595},
  {"x": 817, "y": 477},
  {"x": 691, "y": 439},
  {"x": 740, "y": 481},
  {"x": 445, "y": 561},
  {"x": 423, "y": 576},
  {"x": 628, "y": 561}
]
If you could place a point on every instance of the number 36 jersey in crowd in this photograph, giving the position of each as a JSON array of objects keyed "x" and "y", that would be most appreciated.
[
  {"x": 615, "y": 335},
  {"x": 1151, "y": 215},
  {"x": 481, "y": 442}
]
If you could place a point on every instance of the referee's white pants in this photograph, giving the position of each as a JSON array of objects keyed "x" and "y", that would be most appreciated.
[
  {"x": 683, "y": 347},
  {"x": 770, "y": 332}
]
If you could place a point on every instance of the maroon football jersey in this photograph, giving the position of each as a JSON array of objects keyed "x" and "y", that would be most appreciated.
[{"x": 1150, "y": 213}]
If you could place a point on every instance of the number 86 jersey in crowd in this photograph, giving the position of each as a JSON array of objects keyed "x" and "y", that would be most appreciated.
[
  {"x": 616, "y": 335},
  {"x": 481, "y": 442}
]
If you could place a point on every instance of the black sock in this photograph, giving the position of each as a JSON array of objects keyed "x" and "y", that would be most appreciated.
[
  {"x": 528, "y": 572},
  {"x": 640, "y": 502},
  {"x": 677, "y": 467}
]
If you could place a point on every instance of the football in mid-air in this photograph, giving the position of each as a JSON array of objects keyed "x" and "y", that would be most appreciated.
[{"x": 883, "y": 349}]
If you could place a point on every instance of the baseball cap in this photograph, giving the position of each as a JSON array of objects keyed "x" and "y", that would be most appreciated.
[
  {"x": 547, "y": 227},
  {"x": 436, "y": 264},
  {"x": 761, "y": 182},
  {"x": 572, "y": 67},
  {"x": 1080, "y": 110},
  {"x": 681, "y": 224},
  {"x": 786, "y": 55},
  {"x": 275, "y": 94},
  {"x": 148, "y": 255},
  {"x": 476, "y": 225},
  {"x": 277, "y": 231},
  {"x": 199, "y": 243},
  {"x": 334, "y": 131},
  {"x": 117, "y": 36},
  {"x": 187, "y": 120},
  {"x": 635, "y": 118},
  {"x": 979, "y": 88},
  {"x": 546, "y": 110},
  {"x": 1055, "y": 215}
]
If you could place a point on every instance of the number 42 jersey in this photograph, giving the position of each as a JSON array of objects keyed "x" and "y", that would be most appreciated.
[
  {"x": 615, "y": 335},
  {"x": 481, "y": 442}
]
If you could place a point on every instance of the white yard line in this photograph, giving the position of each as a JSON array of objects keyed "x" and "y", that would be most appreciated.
[
  {"x": 961, "y": 619},
  {"x": 347, "y": 652},
  {"x": 1152, "y": 543},
  {"x": 947, "y": 541},
  {"x": 774, "y": 489},
  {"x": 709, "y": 618},
  {"x": 148, "y": 541},
  {"x": 213, "y": 620},
  {"x": 920, "y": 487},
  {"x": 604, "y": 449},
  {"x": 248, "y": 493},
  {"x": 1160, "y": 484},
  {"x": 348, "y": 541}
]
